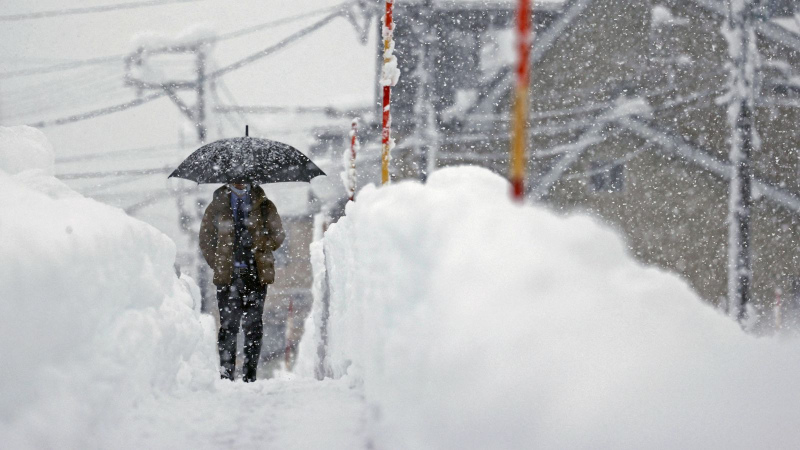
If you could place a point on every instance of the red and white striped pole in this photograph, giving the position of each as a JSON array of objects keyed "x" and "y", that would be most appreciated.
[
  {"x": 389, "y": 77},
  {"x": 351, "y": 167},
  {"x": 519, "y": 116}
]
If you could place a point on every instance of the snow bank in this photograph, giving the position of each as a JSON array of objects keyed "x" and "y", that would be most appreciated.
[
  {"x": 476, "y": 323},
  {"x": 24, "y": 148},
  {"x": 92, "y": 315}
]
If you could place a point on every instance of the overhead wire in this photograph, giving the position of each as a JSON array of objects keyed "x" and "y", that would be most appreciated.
[
  {"x": 89, "y": 10},
  {"x": 100, "y": 112},
  {"x": 112, "y": 173},
  {"x": 120, "y": 57},
  {"x": 67, "y": 92},
  {"x": 114, "y": 153},
  {"x": 63, "y": 66},
  {"x": 215, "y": 74},
  {"x": 277, "y": 46}
]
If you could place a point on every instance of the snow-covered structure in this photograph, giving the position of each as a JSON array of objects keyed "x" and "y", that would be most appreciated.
[
  {"x": 93, "y": 316},
  {"x": 473, "y": 322},
  {"x": 625, "y": 122}
]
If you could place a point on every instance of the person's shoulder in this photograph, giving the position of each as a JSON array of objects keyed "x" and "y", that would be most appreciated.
[
  {"x": 259, "y": 195},
  {"x": 220, "y": 191},
  {"x": 221, "y": 196},
  {"x": 258, "y": 191}
]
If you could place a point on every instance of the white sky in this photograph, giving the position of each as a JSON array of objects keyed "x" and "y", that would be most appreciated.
[{"x": 328, "y": 67}]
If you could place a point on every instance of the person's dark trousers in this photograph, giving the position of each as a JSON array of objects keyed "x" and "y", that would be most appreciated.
[{"x": 241, "y": 302}]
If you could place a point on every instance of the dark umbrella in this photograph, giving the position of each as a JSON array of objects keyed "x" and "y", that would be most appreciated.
[{"x": 247, "y": 160}]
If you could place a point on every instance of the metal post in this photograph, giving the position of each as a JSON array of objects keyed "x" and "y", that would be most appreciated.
[
  {"x": 351, "y": 169},
  {"x": 519, "y": 117},
  {"x": 427, "y": 133},
  {"x": 388, "y": 79},
  {"x": 741, "y": 36},
  {"x": 201, "y": 96}
]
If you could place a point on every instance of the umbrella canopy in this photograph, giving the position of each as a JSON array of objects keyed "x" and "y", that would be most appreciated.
[{"x": 247, "y": 160}]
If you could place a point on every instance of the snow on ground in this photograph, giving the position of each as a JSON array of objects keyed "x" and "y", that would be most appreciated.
[
  {"x": 102, "y": 346},
  {"x": 282, "y": 413},
  {"x": 477, "y": 323}
]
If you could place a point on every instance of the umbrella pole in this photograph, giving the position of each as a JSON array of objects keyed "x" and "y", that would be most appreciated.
[
  {"x": 519, "y": 116},
  {"x": 389, "y": 77}
]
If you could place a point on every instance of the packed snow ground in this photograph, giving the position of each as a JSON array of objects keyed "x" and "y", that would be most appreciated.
[
  {"x": 477, "y": 323},
  {"x": 283, "y": 413},
  {"x": 103, "y": 347}
]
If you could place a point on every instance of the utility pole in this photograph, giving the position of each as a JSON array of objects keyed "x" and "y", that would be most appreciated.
[
  {"x": 135, "y": 66},
  {"x": 742, "y": 48},
  {"x": 427, "y": 127},
  {"x": 200, "y": 119},
  {"x": 190, "y": 207},
  {"x": 519, "y": 114}
]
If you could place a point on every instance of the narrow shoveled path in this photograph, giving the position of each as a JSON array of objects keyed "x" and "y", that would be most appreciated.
[{"x": 279, "y": 413}]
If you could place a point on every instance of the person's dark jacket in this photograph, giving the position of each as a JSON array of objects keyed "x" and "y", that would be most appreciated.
[{"x": 217, "y": 235}]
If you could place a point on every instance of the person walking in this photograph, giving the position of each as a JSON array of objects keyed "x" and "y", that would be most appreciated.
[{"x": 239, "y": 231}]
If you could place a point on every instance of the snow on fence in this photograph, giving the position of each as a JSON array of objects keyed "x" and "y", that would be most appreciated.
[{"x": 472, "y": 322}]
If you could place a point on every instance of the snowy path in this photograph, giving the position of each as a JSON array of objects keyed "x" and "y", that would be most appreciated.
[{"x": 279, "y": 414}]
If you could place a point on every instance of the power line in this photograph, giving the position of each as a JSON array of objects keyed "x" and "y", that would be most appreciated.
[
  {"x": 62, "y": 66},
  {"x": 273, "y": 48},
  {"x": 218, "y": 73},
  {"x": 99, "y": 112},
  {"x": 114, "y": 153},
  {"x": 154, "y": 198},
  {"x": 276, "y": 22},
  {"x": 114, "y": 173},
  {"x": 89, "y": 9},
  {"x": 120, "y": 57}
]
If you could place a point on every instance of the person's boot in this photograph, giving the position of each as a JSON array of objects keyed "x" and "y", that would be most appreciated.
[
  {"x": 227, "y": 365},
  {"x": 249, "y": 371}
]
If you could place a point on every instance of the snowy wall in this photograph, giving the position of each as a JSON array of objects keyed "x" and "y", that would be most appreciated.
[
  {"x": 476, "y": 323},
  {"x": 92, "y": 314}
]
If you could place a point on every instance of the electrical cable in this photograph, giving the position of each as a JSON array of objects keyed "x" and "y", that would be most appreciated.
[
  {"x": 278, "y": 46},
  {"x": 114, "y": 153},
  {"x": 121, "y": 57},
  {"x": 89, "y": 10},
  {"x": 100, "y": 112},
  {"x": 114, "y": 173},
  {"x": 63, "y": 66}
]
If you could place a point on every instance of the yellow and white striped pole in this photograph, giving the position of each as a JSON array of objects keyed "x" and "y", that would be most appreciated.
[{"x": 519, "y": 112}]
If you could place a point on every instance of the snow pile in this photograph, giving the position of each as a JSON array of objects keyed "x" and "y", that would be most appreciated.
[
  {"x": 476, "y": 323},
  {"x": 93, "y": 317},
  {"x": 23, "y": 149}
]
